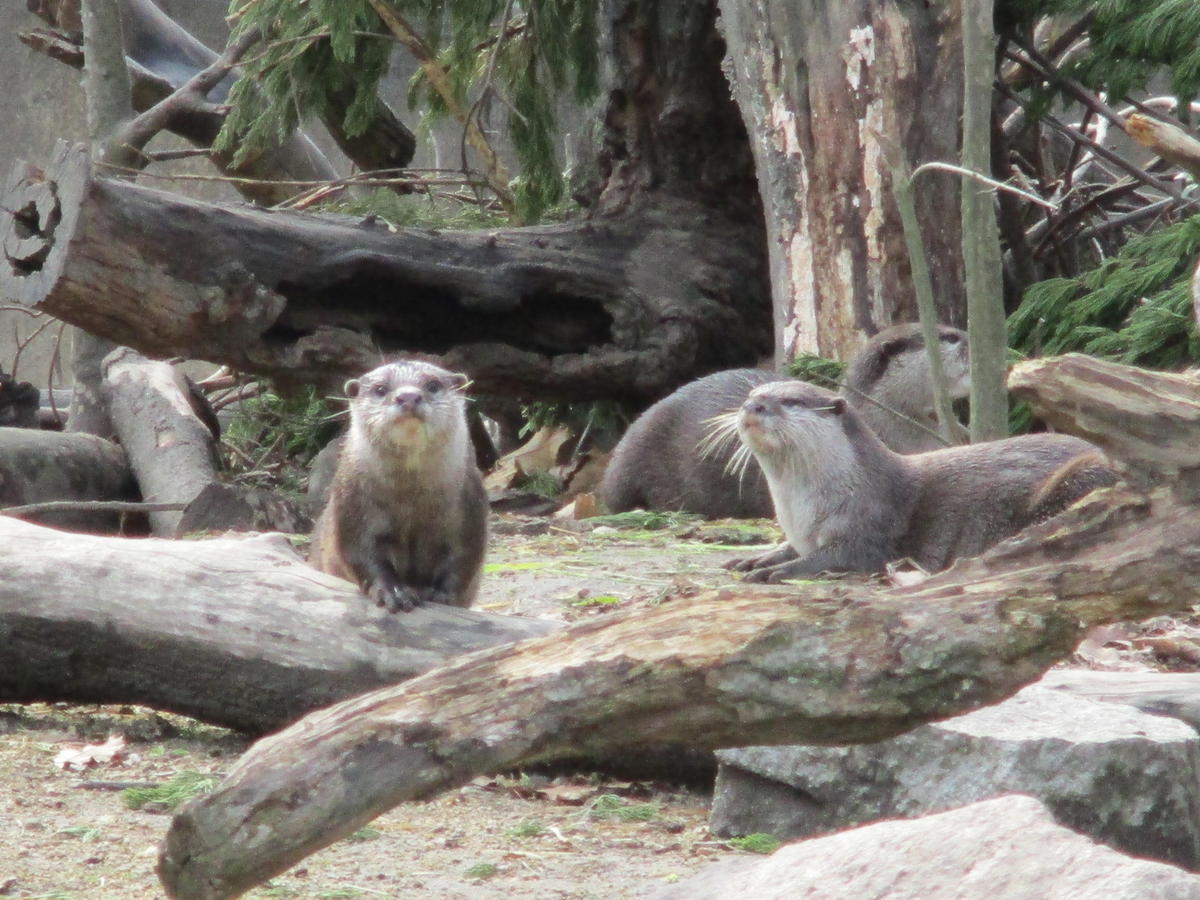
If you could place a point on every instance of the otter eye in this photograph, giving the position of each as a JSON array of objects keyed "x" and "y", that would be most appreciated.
[
  {"x": 433, "y": 386},
  {"x": 951, "y": 338},
  {"x": 379, "y": 389},
  {"x": 791, "y": 402}
]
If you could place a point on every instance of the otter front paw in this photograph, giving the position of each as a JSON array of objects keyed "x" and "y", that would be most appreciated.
[
  {"x": 780, "y": 554},
  {"x": 778, "y": 573},
  {"x": 394, "y": 597}
]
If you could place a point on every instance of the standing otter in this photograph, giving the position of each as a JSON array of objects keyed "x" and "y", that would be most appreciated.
[
  {"x": 407, "y": 512},
  {"x": 847, "y": 503},
  {"x": 670, "y": 458}
]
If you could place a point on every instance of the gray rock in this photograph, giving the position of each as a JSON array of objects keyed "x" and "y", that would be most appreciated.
[
  {"x": 1124, "y": 777},
  {"x": 1007, "y": 848}
]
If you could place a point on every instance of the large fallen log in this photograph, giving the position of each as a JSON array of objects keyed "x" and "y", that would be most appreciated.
[
  {"x": 811, "y": 664},
  {"x": 581, "y": 310},
  {"x": 237, "y": 632}
]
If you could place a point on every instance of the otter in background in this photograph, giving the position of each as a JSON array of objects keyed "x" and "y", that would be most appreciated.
[
  {"x": 407, "y": 512},
  {"x": 663, "y": 462},
  {"x": 847, "y": 503}
]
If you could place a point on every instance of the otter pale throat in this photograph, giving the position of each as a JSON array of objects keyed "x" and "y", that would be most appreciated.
[
  {"x": 670, "y": 457},
  {"x": 847, "y": 503},
  {"x": 407, "y": 513}
]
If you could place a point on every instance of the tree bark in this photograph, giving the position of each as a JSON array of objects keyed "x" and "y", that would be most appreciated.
[
  {"x": 236, "y": 632},
  {"x": 81, "y": 467},
  {"x": 983, "y": 273},
  {"x": 811, "y": 664},
  {"x": 1148, "y": 422},
  {"x": 816, "y": 82},
  {"x": 575, "y": 311}
]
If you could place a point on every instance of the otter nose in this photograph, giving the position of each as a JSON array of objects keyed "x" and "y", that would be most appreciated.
[{"x": 407, "y": 399}]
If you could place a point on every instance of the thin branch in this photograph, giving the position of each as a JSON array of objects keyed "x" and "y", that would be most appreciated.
[
  {"x": 119, "y": 506},
  {"x": 992, "y": 182},
  {"x": 497, "y": 175}
]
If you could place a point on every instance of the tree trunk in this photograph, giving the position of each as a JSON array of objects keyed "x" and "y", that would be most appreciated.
[
  {"x": 233, "y": 631},
  {"x": 809, "y": 664},
  {"x": 665, "y": 280},
  {"x": 816, "y": 82}
]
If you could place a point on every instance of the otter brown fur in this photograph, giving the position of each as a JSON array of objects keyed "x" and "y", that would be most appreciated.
[
  {"x": 407, "y": 513},
  {"x": 662, "y": 462},
  {"x": 847, "y": 503}
]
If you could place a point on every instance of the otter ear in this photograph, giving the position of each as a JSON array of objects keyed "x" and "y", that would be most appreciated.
[
  {"x": 352, "y": 388},
  {"x": 458, "y": 380},
  {"x": 838, "y": 405}
]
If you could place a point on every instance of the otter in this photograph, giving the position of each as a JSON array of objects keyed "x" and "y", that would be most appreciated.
[
  {"x": 407, "y": 512},
  {"x": 847, "y": 503},
  {"x": 888, "y": 381},
  {"x": 678, "y": 456}
]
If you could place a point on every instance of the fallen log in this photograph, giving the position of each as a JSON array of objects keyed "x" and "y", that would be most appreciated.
[
  {"x": 172, "y": 452},
  {"x": 577, "y": 311},
  {"x": 819, "y": 663},
  {"x": 42, "y": 466},
  {"x": 1148, "y": 422},
  {"x": 236, "y": 632}
]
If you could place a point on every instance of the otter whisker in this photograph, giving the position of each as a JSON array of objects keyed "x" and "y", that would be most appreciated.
[{"x": 721, "y": 433}]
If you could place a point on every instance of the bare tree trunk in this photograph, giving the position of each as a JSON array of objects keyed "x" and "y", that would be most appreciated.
[
  {"x": 816, "y": 82},
  {"x": 986, "y": 329},
  {"x": 810, "y": 664}
]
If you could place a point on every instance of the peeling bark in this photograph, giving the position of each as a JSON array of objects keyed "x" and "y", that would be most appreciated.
[{"x": 815, "y": 82}]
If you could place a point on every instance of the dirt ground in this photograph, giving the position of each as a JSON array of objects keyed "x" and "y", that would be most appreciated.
[{"x": 71, "y": 835}]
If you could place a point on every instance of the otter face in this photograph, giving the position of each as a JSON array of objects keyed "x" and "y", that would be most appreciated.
[
  {"x": 792, "y": 422},
  {"x": 402, "y": 403}
]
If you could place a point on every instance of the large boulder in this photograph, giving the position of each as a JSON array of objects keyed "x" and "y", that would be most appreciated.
[
  {"x": 1124, "y": 777},
  {"x": 1005, "y": 848}
]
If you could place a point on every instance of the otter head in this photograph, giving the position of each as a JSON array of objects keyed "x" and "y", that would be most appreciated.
[
  {"x": 403, "y": 405},
  {"x": 901, "y": 355},
  {"x": 791, "y": 425}
]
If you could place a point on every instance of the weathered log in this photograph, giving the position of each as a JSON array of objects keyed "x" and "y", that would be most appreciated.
[
  {"x": 817, "y": 663},
  {"x": 41, "y": 466},
  {"x": 1149, "y": 422},
  {"x": 236, "y": 632},
  {"x": 171, "y": 451},
  {"x": 579, "y": 310}
]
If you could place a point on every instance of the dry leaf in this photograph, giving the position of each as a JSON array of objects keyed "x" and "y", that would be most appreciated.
[{"x": 77, "y": 758}]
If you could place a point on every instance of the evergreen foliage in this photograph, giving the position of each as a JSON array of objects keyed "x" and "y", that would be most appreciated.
[
  {"x": 1134, "y": 308},
  {"x": 316, "y": 49},
  {"x": 1128, "y": 42}
]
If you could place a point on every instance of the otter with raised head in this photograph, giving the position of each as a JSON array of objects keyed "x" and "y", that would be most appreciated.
[
  {"x": 670, "y": 459},
  {"x": 847, "y": 503},
  {"x": 407, "y": 512}
]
